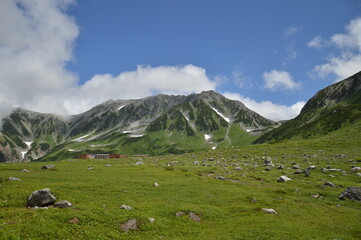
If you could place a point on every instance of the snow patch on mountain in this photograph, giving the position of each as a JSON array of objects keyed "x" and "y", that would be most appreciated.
[
  {"x": 220, "y": 114},
  {"x": 28, "y": 143},
  {"x": 207, "y": 137},
  {"x": 121, "y": 107},
  {"x": 79, "y": 139},
  {"x": 136, "y": 136}
]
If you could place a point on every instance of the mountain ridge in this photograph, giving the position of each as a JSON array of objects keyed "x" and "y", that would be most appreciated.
[
  {"x": 328, "y": 110},
  {"x": 128, "y": 122}
]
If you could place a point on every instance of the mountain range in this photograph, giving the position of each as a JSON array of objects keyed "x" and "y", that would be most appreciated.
[
  {"x": 166, "y": 124},
  {"x": 154, "y": 125}
]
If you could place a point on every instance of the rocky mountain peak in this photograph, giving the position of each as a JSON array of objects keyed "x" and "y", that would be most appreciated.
[{"x": 348, "y": 90}]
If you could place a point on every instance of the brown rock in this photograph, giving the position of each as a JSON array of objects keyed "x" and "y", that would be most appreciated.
[
  {"x": 74, "y": 221},
  {"x": 129, "y": 225}
]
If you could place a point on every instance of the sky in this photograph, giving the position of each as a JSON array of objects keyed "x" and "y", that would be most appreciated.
[{"x": 66, "y": 56}]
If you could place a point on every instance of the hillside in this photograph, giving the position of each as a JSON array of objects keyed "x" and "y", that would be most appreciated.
[
  {"x": 332, "y": 108},
  {"x": 154, "y": 125},
  {"x": 226, "y": 188}
]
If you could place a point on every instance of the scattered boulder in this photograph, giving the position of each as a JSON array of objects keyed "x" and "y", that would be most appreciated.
[
  {"x": 358, "y": 174},
  {"x": 283, "y": 179},
  {"x": 48, "y": 166},
  {"x": 155, "y": 184},
  {"x": 196, "y": 163},
  {"x": 268, "y": 161},
  {"x": 220, "y": 178},
  {"x": 41, "y": 198},
  {"x": 108, "y": 165},
  {"x": 280, "y": 166},
  {"x": 139, "y": 163},
  {"x": 312, "y": 167},
  {"x": 329, "y": 184},
  {"x": 63, "y": 204},
  {"x": 129, "y": 225},
  {"x": 74, "y": 221},
  {"x": 90, "y": 168},
  {"x": 180, "y": 214},
  {"x": 25, "y": 170},
  {"x": 194, "y": 217},
  {"x": 238, "y": 169},
  {"x": 126, "y": 207},
  {"x": 331, "y": 170},
  {"x": 151, "y": 220},
  {"x": 268, "y": 168},
  {"x": 299, "y": 171},
  {"x": 253, "y": 200},
  {"x": 295, "y": 166},
  {"x": 315, "y": 196},
  {"x": 353, "y": 193},
  {"x": 269, "y": 210},
  {"x": 14, "y": 179},
  {"x": 356, "y": 169}
]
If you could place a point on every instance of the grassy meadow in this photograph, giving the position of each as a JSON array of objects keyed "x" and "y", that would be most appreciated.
[{"x": 229, "y": 209}]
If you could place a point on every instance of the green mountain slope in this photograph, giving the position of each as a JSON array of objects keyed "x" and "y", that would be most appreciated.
[{"x": 332, "y": 108}]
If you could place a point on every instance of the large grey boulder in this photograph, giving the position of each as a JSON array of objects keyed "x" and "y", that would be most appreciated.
[
  {"x": 353, "y": 193},
  {"x": 41, "y": 198}
]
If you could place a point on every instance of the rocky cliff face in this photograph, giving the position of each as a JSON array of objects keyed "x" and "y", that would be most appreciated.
[{"x": 29, "y": 135}]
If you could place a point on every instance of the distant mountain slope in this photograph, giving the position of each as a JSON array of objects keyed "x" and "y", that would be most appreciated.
[
  {"x": 332, "y": 108},
  {"x": 153, "y": 125}
]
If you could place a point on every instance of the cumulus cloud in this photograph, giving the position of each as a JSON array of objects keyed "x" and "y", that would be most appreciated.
[
  {"x": 268, "y": 109},
  {"x": 145, "y": 81},
  {"x": 348, "y": 61},
  {"x": 35, "y": 44},
  {"x": 276, "y": 80},
  {"x": 317, "y": 42}
]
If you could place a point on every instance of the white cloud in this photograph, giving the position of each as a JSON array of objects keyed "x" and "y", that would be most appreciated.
[
  {"x": 316, "y": 42},
  {"x": 348, "y": 61},
  {"x": 290, "y": 31},
  {"x": 275, "y": 80},
  {"x": 268, "y": 109},
  {"x": 145, "y": 81},
  {"x": 35, "y": 44}
]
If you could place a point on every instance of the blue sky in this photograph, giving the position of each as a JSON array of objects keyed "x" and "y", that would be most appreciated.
[{"x": 271, "y": 55}]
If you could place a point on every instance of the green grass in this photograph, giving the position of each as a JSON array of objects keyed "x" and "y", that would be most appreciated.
[{"x": 225, "y": 207}]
